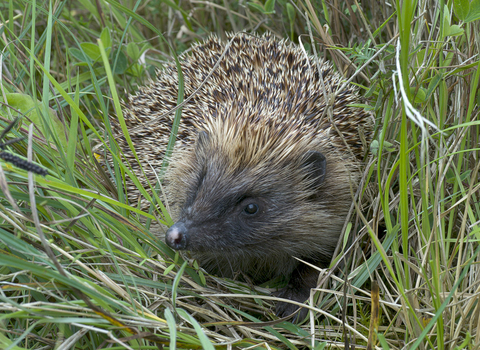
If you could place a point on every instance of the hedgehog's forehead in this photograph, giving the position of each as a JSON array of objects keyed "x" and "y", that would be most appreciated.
[{"x": 249, "y": 142}]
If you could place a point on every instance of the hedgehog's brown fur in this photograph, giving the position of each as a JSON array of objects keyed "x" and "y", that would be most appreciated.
[{"x": 260, "y": 114}]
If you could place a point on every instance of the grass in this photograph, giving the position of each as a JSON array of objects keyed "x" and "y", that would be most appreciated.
[{"x": 79, "y": 268}]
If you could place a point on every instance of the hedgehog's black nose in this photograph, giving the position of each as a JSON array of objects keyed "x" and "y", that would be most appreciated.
[{"x": 176, "y": 236}]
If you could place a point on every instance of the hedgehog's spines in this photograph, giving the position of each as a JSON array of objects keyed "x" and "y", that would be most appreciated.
[{"x": 261, "y": 76}]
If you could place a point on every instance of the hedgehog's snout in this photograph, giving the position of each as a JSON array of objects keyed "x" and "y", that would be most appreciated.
[{"x": 176, "y": 236}]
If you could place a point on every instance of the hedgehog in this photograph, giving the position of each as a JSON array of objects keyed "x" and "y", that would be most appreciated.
[{"x": 266, "y": 159}]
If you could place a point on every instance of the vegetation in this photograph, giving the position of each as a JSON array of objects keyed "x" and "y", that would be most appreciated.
[{"x": 79, "y": 267}]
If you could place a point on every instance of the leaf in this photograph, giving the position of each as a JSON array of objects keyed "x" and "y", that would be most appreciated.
[
  {"x": 447, "y": 61},
  {"x": 26, "y": 105},
  {"x": 291, "y": 18},
  {"x": 446, "y": 15},
  {"x": 119, "y": 62},
  {"x": 136, "y": 70},
  {"x": 383, "y": 341},
  {"x": 168, "y": 269},
  {"x": 78, "y": 54},
  {"x": 291, "y": 13},
  {"x": 466, "y": 175},
  {"x": 202, "y": 278},
  {"x": 172, "y": 327},
  {"x": 450, "y": 176},
  {"x": 91, "y": 50},
  {"x": 256, "y": 7},
  {"x": 374, "y": 146},
  {"x": 320, "y": 346},
  {"x": 454, "y": 30},
  {"x": 105, "y": 37},
  {"x": 346, "y": 236},
  {"x": 269, "y": 7},
  {"x": 474, "y": 12},
  {"x": 420, "y": 94},
  {"x": 433, "y": 84},
  {"x": 421, "y": 56},
  {"x": 449, "y": 30},
  {"x": 387, "y": 147},
  {"x": 461, "y": 8},
  {"x": 379, "y": 29},
  {"x": 133, "y": 52}
]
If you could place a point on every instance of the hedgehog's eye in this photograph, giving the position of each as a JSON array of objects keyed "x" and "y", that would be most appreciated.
[{"x": 251, "y": 209}]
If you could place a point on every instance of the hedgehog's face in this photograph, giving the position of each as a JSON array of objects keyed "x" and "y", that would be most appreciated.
[{"x": 233, "y": 206}]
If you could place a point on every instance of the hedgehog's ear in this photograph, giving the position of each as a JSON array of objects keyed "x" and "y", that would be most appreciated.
[
  {"x": 315, "y": 164},
  {"x": 202, "y": 139}
]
